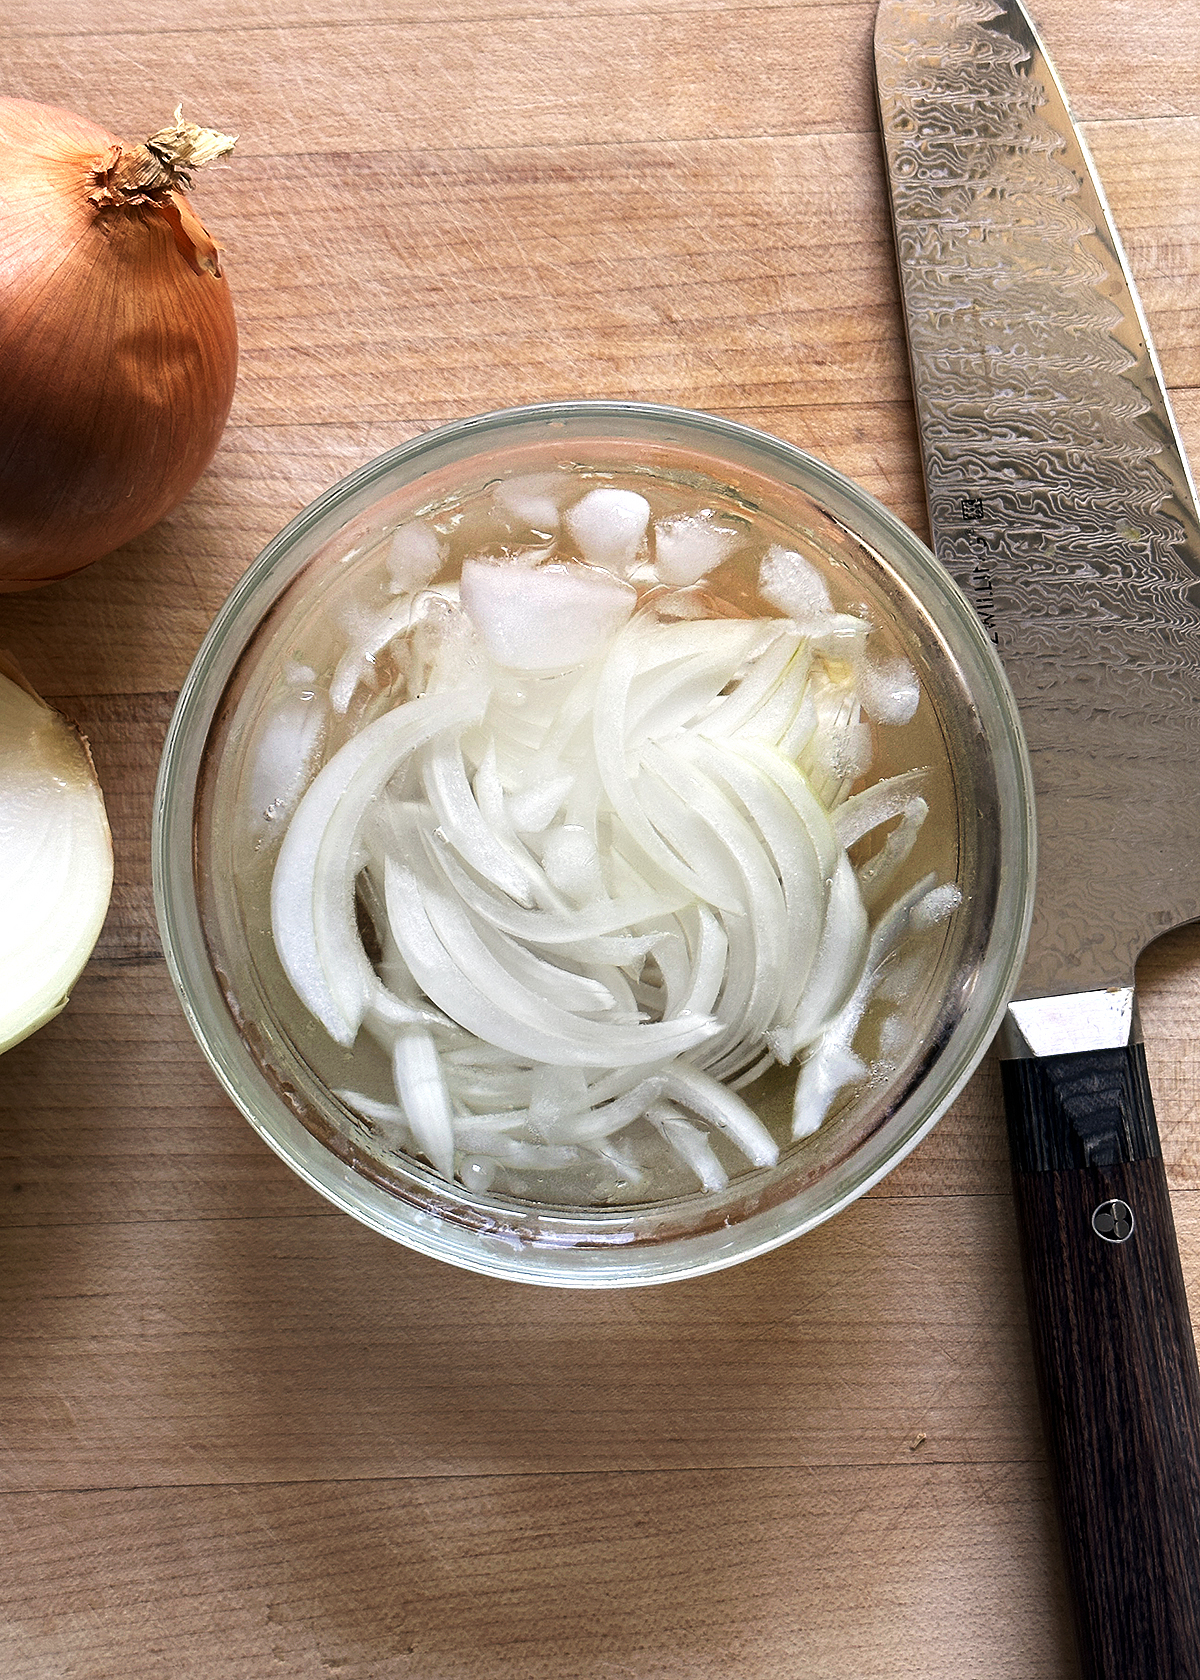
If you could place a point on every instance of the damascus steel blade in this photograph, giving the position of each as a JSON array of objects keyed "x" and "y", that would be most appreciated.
[{"x": 1059, "y": 497}]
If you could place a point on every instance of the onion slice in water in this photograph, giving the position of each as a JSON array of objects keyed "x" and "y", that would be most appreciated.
[
  {"x": 56, "y": 858},
  {"x": 606, "y": 858},
  {"x": 312, "y": 891}
]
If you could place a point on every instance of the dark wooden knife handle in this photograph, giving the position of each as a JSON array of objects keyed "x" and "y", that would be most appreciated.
[{"x": 1115, "y": 1357}]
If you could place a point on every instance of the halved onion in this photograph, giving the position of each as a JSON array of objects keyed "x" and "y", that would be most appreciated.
[{"x": 56, "y": 858}]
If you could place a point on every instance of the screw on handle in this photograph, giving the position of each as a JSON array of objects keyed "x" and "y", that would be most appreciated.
[{"x": 1115, "y": 1357}]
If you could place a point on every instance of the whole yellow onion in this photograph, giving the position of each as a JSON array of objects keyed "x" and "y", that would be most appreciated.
[{"x": 118, "y": 345}]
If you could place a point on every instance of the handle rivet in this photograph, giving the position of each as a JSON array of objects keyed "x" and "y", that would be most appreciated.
[{"x": 1113, "y": 1221}]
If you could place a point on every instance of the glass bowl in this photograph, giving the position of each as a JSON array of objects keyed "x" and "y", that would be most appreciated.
[{"x": 285, "y": 626}]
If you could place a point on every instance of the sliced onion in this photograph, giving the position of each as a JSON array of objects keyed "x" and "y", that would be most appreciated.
[
  {"x": 612, "y": 699},
  {"x": 386, "y": 1114},
  {"x": 784, "y": 775},
  {"x": 439, "y": 946},
  {"x": 690, "y": 1144},
  {"x": 837, "y": 968},
  {"x": 713, "y": 1101},
  {"x": 829, "y": 1070},
  {"x": 423, "y": 1096},
  {"x": 548, "y": 927},
  {"x": 538, "y": 1157},
  {"x": 603, "y": 1120},
  {"x": 874, "y": 805},
  {"x": 306, "y": 886},
  {"x": 578, "y": 993},
  {"x": 877, "y": 873},
  {"x": 705, "y": 657},
  {"x": 453, "y": 800},
  {"x": 832, "y": 1063},
  {"x": 606, "y": 859},
  {"x": 698, "y": 853},
  {"x": 779, "y": 661},
  {"x": 838, "y": 750},
  {"x": 708, "y": 966},
  {"x": 790, "y": 847},
  {"x": 761, "y": 892}
]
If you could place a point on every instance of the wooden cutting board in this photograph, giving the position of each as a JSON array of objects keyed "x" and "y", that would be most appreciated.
[{"x": 242, "y": 1436}]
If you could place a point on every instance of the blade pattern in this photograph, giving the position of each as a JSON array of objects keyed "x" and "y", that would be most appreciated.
[{"x": 1058, "y": 496}]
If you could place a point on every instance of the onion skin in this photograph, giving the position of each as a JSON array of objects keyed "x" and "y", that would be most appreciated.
[{"x": 118, "y": 344}]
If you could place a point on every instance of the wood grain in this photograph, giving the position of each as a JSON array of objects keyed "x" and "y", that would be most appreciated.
[
  {"x": 242, "y": 1436},
  {"x": 810, "y": 1359},
  {"x": 1116, "y": 1364},
  {"x": 534, "y": 1578}
]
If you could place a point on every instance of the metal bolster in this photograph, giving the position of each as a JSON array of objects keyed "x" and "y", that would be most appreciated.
[{"x": 1056, "y": 1026}]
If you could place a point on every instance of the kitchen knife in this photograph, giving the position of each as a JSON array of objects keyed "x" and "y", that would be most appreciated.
[{"x": 1060, "y": 500}]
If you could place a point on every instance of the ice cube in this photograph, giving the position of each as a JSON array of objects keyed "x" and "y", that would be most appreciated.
[
  {"x": 444, "y": 644},
  {"x": 545, "y": 619},
  {"x": 889, "y": 690},
  {"x": 609, "y": 527},
  {"x": 788, "y": 581},
  {"x": 287, "y": 753},
  {"x": 895, "y": 1037},
  {"x": 414, "y": 558},
  {"x": 533, "y": 499},
  {"x": 689, "y": 545}
]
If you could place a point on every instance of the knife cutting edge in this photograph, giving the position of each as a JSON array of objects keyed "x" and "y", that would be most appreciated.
[{"x": 1060, "y": 500}]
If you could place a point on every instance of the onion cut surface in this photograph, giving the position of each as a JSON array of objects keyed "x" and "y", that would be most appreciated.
[
  {"x": 56, "y": 860},
  {"x": 588, "y": 877}
]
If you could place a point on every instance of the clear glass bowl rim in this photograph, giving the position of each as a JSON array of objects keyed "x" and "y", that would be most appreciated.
[{"x": 182, "y": 934}]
